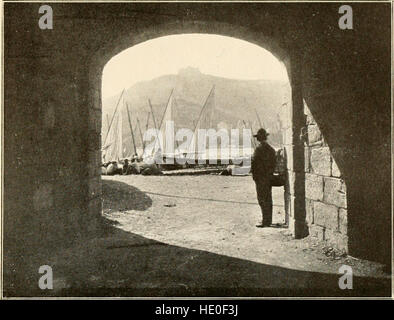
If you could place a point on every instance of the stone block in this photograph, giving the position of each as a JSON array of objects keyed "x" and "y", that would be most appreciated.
[
  {"x": 292, "y": 206},
  {"x": 287, "y": 197},
  {"x": 288, "y": 183},
  {"x": 310, "y": 120},
  {"x": 342, "y": 242},
  {"x": 330, "y": 236},
  {"x": 342, "y": 217},
  {"x": 336, "y": 240},
  {"x": 288, "y": 149},
  {"x": 325, "y": 215},
  {"x": 306, "y": 159},
  {"x": 309, "y": 116},
  {"x": 307, "y": 112},
  {"x": 321, "y": 161},
  {"x": 313, "y": 187},
  {"x": 292, "y": 225},
  {"x": 314, "y": 135},
  {"x": 317, "y": 232},
  {"x": 335, "y": 192},
  {"x": 309, "y": 212},
  {"x": 335, "y": 172}
]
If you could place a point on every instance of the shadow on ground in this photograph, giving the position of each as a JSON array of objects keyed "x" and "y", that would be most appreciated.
[
  {"x": 119, "y": 263},
  {"x": 119, "y": 196},
  {"x": 126, "y": 264}
]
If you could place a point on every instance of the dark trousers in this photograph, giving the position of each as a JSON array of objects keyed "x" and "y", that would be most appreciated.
[{"x": 264, "y": 197}]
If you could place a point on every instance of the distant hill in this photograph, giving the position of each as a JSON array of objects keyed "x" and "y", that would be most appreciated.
[{"x": 234, "y": 100}]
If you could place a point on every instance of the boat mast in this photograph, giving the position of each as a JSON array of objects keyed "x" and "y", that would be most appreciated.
[
  {"x": 146, "y": 129},
  {"x": 203, "y": 107},
  {"x": 154, "y": 121},
  {"x": 165, "y": 110},
  {"x": 139, "y": 129},
  {"x": 131, "y": 128},
  {"x": 107, "y": 117},
  {"x": 201, "y": 113},
  {"x": 113, "y": 116},
  {"x": 258, "y": 119},
  {"x": 251, "y": 130}
]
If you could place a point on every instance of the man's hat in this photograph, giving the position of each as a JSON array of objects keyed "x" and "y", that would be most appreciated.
[{"x": 261, "y": 133}]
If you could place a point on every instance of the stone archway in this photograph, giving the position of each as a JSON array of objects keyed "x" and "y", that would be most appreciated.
[
  {"x": 52, "y": 105},
  {"x": 291, "y": 112}
]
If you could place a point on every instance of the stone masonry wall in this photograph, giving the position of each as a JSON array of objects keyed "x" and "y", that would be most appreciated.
[
  {"x": 285, "y": 118},
  {"x": 325, "y": 189},
  {"x": 52, "y": 81},
  {"x": 291, "y": 114}
]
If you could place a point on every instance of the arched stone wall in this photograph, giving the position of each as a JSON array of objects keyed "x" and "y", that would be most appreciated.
[
  {"x": 52, "y": 82},
  {"x": 120, "y": 43}
]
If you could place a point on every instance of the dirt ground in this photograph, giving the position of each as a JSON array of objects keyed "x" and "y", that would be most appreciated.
[
  {"x": 196, "y": 236},
  {"x": 207, "y": 212}
]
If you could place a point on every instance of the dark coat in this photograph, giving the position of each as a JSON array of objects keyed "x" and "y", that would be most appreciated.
[{"x": 263, "y": 162}]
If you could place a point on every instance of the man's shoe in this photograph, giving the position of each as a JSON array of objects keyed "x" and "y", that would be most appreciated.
[{"x": 261, "y": 225}]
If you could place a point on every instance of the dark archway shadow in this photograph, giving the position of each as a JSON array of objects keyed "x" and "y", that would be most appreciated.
[
  {"x": 124, "y": 264},
  {"x": 364, "y": 162},
  {"x": 133, "y": 265},
  {"x": 350, "y": 103},
  {"x": 119, "y": 196},
  {"x": 20, "y": 270}
]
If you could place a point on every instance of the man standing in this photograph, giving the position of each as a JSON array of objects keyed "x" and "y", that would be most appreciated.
[{"x": 263, "y": 165}]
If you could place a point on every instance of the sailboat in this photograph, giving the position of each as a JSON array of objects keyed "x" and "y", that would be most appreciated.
[
  {"x": 167, "y": 128},
  {"x": 118, "y": 145},
  {"x": 204, "y": 121},
  {"x": 248, "y": 125},
  {"x": 164, "y": 142}
]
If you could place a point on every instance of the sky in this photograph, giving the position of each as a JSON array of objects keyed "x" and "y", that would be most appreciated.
[{"x": 212, "y": 54}]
